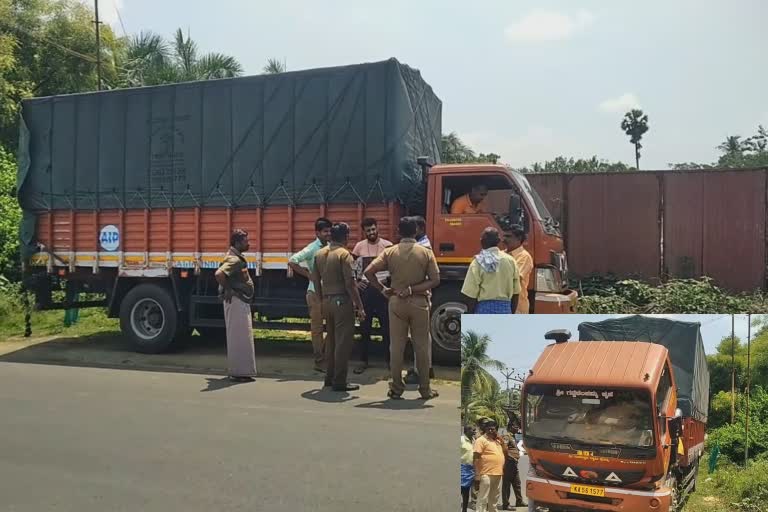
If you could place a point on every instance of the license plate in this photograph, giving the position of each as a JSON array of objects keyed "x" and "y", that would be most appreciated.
[{"x": 588, "y": 490}]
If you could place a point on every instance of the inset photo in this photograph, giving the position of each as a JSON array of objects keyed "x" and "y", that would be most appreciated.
[{"x": 613, "y": 412}]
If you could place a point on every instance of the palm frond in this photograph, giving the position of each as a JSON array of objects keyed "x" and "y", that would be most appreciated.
[
  {"x": 186, "y": 54},
  {"x": 217, "y": 65}
]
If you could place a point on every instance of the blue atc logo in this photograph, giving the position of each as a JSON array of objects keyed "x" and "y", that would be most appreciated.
[{"x": 109, "y": 238}]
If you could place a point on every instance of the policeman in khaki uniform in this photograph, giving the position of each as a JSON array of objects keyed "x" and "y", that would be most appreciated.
[
  {"x": 511, "y": 471},
  {"x": 334, "y": 281},
  {"x": 408, "y": 263}
]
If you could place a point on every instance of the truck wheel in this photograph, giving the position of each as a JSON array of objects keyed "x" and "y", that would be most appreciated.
[
  {"x": 445, "y": 324},
  {"x": 148, "y": 319}
]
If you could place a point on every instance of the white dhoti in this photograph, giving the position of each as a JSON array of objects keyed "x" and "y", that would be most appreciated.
[{"x": 241, "y": 358}]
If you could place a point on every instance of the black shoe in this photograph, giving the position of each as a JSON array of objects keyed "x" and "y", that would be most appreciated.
[
  {"x": 319, "y": 370},
  {"x": 235, "y": 378},
  {"x": 327, "y": 384},
  {"x": 348, "y": 387},
  {"x": 432, "y": 394},
  {"x": 521, "y": 504},
  {"x": 505, "y": 507},
  {"x": 394, "y": 396}
]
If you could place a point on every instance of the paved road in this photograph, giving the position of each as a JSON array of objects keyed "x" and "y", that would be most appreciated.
[{"x": 87, "y": 440}]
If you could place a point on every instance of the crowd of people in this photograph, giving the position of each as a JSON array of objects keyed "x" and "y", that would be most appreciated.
[
  {"x": 489, "y": 467},
  {"x": 391, "y": 282}
]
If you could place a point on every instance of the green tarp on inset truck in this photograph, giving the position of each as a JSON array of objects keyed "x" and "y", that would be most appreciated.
[
  {"x": 326, "y": 135},
  {"x": 686, "y": 352}
]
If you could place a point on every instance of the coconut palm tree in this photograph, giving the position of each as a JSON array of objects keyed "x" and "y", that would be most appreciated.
[
  {"x": 150, "y": 60},
  {"x": 732, "y": 145},
  {"x": 274, "y": 67},
  {"x": 475, "y": 366},
  {"x": 489, "y": 403}
]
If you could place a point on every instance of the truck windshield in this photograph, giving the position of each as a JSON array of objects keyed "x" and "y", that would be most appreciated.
[
  {"x": 540, "y": 208},
  {"x": 589, "y": 415}
]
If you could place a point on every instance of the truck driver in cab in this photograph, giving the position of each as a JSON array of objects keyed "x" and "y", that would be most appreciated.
[{"x": 471, "y": 203}]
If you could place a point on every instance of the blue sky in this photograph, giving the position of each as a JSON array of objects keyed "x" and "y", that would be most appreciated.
[
  {"x": 527, "y": 79},
  {"x": 517, "y": 340}
]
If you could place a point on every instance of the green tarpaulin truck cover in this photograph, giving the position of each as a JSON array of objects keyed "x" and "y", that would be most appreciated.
[
  {"x": 686, "y": 352},
  {"x": 338, "y": 134}
]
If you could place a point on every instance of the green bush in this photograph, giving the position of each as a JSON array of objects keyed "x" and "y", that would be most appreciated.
[
  {"x": 10, "y": 217},
  {"x": 731, "y": 437},
  {"x": 604, "y": 295}
]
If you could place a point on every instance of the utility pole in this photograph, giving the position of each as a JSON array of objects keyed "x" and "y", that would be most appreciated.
[
  {"x": 733, "y": 368},
  {"x": 746, "y": 427},
  {"x": 98, "y": 44},
  {"x": 508, "y": 374}
]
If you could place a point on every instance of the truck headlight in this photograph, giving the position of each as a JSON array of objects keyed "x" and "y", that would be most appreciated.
[
  {"x": 560, "y": 262},
  {"x": 548, "y": 280}
]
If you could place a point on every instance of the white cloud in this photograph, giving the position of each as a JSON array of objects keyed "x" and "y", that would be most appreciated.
[
  {"x": 620, "y": 105},
  {"x": 541, "y": 25}
]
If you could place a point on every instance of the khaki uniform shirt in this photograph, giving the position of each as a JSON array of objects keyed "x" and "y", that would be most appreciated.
[
  {"x": 512, "y": 452},
  {"x": 408, "y": 263},
  {"x": 235, "y": 267},
  {"x": 333, "y": 267}
]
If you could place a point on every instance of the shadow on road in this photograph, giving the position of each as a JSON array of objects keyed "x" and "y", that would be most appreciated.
[
  {"x": 396, "y": 405},
  {"x": 328, "y": 396},
  {"x": 222, "y": 383}
]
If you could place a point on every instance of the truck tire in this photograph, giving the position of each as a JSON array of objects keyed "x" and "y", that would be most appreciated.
[
  {"x": 149, "y": 319},
  {"x": 445, "y": 324}
]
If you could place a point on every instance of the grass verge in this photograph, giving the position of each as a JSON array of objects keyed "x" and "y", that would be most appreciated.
[{"x": 731, "y": 488}]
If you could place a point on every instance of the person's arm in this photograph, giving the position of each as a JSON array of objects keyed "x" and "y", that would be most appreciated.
[
  {"x": 295, "y": 261},
  {"x": 515, "y": 301},
  {"x": 433, "y": 276},
  {"x": 477, "y": 451},
  {"x": 315, "y": 277},
  {"x": 516, "y": 285},
  {"x": 457, "y": 207},
  {"x": 380, "y": 264},
  {"x": 471, "y": 287},
  {"x": 222, "y": 278},
  {"x": 349, "y": 283}
]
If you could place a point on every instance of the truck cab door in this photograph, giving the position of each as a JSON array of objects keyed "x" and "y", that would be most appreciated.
[{"x": 456, "y": 238}]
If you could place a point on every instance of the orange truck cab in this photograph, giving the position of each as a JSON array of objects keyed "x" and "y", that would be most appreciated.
[
  {"x": 607, "y": 425},
  {"x": 511, "y": 200}
]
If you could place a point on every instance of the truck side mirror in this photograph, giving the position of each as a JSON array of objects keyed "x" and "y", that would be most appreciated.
[
  {"x": 558, "y": 335},
  {"x": 515, "y": 205}
]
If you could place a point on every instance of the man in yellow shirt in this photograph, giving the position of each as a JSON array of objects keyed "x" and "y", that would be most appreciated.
[
  {"x": 492, "y": 283},
  {"x": 490, "y": 453},
  {"x": 514, "y": 239},
  {"x": 471, "y": 203}
]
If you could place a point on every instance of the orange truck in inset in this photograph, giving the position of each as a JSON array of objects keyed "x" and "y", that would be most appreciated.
[
  {"x": 616, "y": 421},
  {"x": 129, "y": 195}
]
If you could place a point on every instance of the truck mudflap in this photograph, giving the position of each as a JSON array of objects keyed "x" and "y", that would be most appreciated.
[
  {"x": 556, "y": 303},
  {"x": 545, "y": 492}
]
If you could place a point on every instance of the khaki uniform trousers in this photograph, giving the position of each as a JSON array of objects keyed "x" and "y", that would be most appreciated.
[
  {"x": 316, "y": 327},
  {"x": 339, "y": 315},
  {"x": 409, "y": 314}
]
